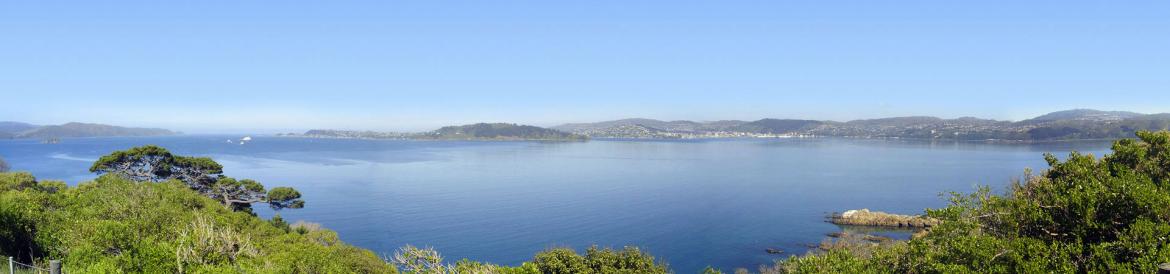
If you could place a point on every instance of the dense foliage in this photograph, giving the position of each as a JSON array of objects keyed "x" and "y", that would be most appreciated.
[
  {"x": 202, "y": 174},
  {"x": 1084, "y": 215},
  {"x": 629, "y": 260},
  {"x": 113, "y": 224}
]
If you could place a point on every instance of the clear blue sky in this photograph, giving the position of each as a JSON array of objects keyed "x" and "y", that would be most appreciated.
[{"x": 213, "y": 66}]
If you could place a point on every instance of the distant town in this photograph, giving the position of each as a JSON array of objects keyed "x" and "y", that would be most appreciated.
[{"x": 1063, "y": 125}]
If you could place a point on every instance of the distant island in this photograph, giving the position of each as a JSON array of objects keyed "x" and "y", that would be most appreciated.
[
  {"x": 18, "y": 130},
  {"x": 472, "y": 132},
  {"x": 1061, "y": 125}
]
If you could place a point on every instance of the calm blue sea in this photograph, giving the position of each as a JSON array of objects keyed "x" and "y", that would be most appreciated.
[{"x": 692, "y": 203}]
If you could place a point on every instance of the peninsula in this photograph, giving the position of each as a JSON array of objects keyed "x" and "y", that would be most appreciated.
[{"x": 18, "y": 130}]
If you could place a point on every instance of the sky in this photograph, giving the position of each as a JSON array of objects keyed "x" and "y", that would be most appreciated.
[{"x": 268, "y": 66}]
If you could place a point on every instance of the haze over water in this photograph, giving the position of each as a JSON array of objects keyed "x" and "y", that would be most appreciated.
[{"x": 692, "y": 203}]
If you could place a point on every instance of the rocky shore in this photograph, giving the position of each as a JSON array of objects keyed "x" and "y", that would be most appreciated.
[{"x": 865, "y": 217}]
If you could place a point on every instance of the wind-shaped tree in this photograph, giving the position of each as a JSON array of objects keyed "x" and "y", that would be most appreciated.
[
  {"x": 202, "y": 174},
  {"x": 241, "y": 194},
  {"x": 156, "y": 164}
]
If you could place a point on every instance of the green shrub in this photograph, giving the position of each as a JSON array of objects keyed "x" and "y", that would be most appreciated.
[
  {"x": 112, "y": 224},
  {"x": 411, "y": 259},
  {"x": 1083, "y": 215}
]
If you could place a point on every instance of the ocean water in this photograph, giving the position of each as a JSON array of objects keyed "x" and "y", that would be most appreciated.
[{"x": 692, "y": 203}]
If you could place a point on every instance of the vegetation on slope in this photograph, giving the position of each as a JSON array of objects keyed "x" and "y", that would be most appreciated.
[
  {"x": 1084, "y": 215},
  {"x": 202, "y": 174},
  {"x": 628, "y": 260},
  {"x": 113, "y": 224}
]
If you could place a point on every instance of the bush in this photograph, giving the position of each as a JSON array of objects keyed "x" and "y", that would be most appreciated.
[
  {"x": 113, "y": 224},
  {"x": 1083, "y": 215},
  {"x": 630, "y": 260}
]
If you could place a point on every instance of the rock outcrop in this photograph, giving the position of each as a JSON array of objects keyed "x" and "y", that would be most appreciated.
[{"x": 875, "y": 218}]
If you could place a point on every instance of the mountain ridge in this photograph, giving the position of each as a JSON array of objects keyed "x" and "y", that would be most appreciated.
[
  {"x": 18, "y": 130},
  {"x": 498, "y": 131},
  {"x": 1059, "y": 125}
]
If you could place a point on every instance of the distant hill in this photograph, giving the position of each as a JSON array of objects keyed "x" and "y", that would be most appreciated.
[
  {"x": 642, "y": 131},
  {"x": 330, "y": 133},
  {"x": 681, "y": 125},
  {"x": 1102, "y": 125},
  {"x": 480, "y": 131},
  {"x": 1061, "y": 125},
  {"x": 778, "y": 126},
  {"x": 499, "y": 131},
  {"x": 911, "y": 121},
  {"x": 1082, "y": 115},
  {"x": 9, "y": 130},
  {"x": 648, "y": 128},
  {"x": 15, "y": 127},
  {"x": 724, "y": 124},
  {"x": 70, "y": 130}
]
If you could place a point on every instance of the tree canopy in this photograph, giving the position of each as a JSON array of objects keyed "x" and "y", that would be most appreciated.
[
  {"x": 4, "y": 165},
  {"x": 156, "y": 164}
]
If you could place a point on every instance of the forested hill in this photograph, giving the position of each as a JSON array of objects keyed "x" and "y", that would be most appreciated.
[
  {"x": 10, "y": 130},
  {"x": 499, "y": 131}
]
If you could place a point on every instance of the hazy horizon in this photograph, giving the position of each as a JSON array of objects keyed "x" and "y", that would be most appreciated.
[
  {"x": 265, "y": 130},
  {"x": 275, "y": 66}
]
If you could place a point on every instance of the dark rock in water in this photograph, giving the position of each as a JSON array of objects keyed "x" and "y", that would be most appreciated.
[
  {"x": 876, "y": 239},
  {"x": 774, "y": 250},
  {"x": 836, "y": 234}
]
